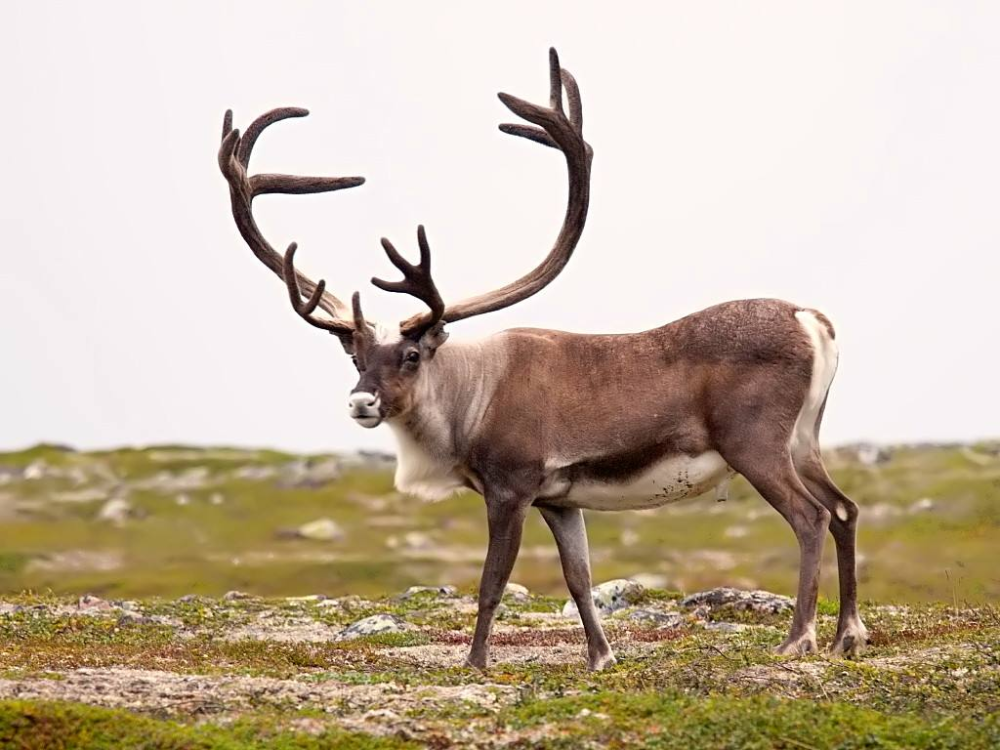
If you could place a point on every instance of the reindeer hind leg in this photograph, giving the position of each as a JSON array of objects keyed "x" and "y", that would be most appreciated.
[
  {"x": 768, "y": 467},
  {"x": 851, "y": 632}
]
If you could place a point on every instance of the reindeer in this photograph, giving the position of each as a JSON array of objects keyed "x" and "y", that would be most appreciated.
[{"x": 566, "y": 422}]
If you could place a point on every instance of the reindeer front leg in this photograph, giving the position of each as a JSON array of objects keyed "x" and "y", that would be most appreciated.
[{"x": 505, "y": 515}]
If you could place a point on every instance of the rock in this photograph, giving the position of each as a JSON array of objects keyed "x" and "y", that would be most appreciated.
[
  {"x": 750, "y": 601},
  {"x": 516, "y": 592},
  {"x": 167, "y": 482},
  {"x": 92, "y": 603},
  {"x": 609, "y": 597},
  {"x": 726, "y": 627},
  {"x": 309, "y": 473},
  {"x": 36, "y": 470},
  {"x": 436, "y": 590},
  {"x": 306, "y": 599},
  {"x": 117, "y": 510},
  {"x": 873, "y": 455},
  {"x": 233, "y": 596},
  {"x": 320, "y": 530},
  {"x": 374, "y": 625},
  {"x": 657, "y": 619},
  {"x": 629, "y": 537},
  {"x": 736, "y": 532},
  {"x": 922, "y": 505},
  {"x": 217, "y": 498},
  {"x": 651, "y": 580},
  {"x": 127, "y": 619},
  {"x": 413, "y": 540},
  {"x": 252, "y": 473}
]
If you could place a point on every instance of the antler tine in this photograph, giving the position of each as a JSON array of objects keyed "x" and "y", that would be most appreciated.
[
  {"x": 261, "y": 124},
  {"x": 305, "y": 311},
  {"x": 234, "y": 156},
  {"x": 417, "y": 282},
  {"x": 575, "y": 103},
  {"x": 550, "y": 127},
  {"x": 555, "y": 82}
]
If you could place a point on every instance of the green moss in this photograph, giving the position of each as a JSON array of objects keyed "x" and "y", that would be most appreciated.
[
  {"x": 29, "y": 725},
  {"x": 673, "y": 720}
]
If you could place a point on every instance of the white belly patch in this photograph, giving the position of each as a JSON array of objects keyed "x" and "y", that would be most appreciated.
[{"x": 667, "y": 481}]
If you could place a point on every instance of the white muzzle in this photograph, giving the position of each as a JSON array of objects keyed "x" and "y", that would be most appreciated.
[{"x": 364, "y": 408}]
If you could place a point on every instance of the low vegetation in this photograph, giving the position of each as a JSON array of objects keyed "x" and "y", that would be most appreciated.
[
  {"x": 207, "y": 521},
  {"x": 115, "y": 631},
  {"x": 249, "y": 672}
]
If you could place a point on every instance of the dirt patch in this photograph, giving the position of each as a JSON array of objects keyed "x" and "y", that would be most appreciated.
[{"x": 175, "y": 694}]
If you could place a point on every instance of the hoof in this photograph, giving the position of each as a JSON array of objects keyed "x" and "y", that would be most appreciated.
[
  {"x": 805, "y": 644},
  {"x": 476, "y": 663},
  {"x": 850, "y": 644},
  {"x": 604, "y": 661}
]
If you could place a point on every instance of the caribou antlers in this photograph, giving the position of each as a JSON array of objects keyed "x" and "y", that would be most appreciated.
[
  {"x": 558, "y": 131},
  {"x": 417, "y": 282},
  {"x": 550, "y": 126},
  {"x": 234, "y": 158}
]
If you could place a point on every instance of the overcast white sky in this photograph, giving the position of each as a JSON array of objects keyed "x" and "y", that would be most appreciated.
[{"x": 842, "y": 156}]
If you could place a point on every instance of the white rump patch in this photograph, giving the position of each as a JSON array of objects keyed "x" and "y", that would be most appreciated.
[{"x": 825, "y": 357}]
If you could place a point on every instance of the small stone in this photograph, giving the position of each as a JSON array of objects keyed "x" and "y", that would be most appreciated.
[
  {"x": 417, "y": 540},
  {"x": 117, "y": 510},
  {"x": 307, "y": 598},
  {"x": 380, "y": 715},
  {"x": 183, "y": 500},
  {"x": 320, "y": 530},
  {"x": 374, "y": 625},
  {"x": 609, "y": 597},
  {"x": 629, "y": 537},
  {"x": 436, "y": 590},
  {"x": 922, "y": 505},
  {"x": 516, "y": 592},
  {"x": 232, "y": 596},
  {"x": 217, "y": 498},
  {"x": 92, "y": 603}
]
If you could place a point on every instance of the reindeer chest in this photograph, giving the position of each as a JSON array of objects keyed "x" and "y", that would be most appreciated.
[{"x": 664, "y": 481}]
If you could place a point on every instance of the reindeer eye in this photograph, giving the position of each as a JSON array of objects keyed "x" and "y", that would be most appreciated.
[{"x": 412, "y": 357}]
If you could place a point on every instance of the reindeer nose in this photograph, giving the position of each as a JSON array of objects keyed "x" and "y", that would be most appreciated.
[{"x": 362, "y": 400}]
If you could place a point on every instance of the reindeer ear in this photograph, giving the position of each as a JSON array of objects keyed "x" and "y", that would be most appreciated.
[
  {"x": 348, "y": 343},
  {"x": 432, "y": 339}
]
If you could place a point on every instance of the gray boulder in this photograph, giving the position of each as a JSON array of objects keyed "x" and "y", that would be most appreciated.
[
  {"x": 749, "y": 601},
  {"x": 374, "y": 625},
  {"x": 610, "y": 597}
]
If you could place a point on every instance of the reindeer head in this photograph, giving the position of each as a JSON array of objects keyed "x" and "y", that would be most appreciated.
[{"x": 390, "y": 363}]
